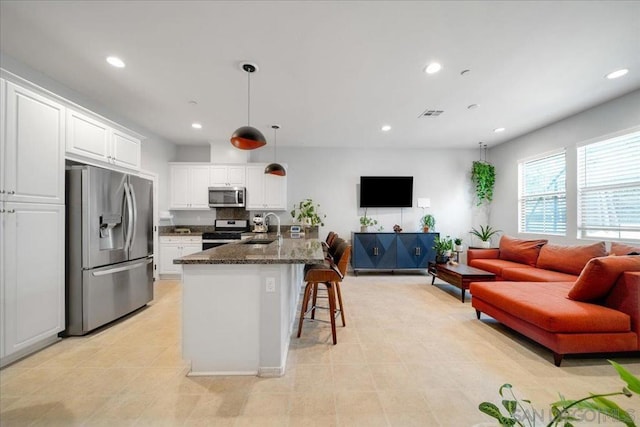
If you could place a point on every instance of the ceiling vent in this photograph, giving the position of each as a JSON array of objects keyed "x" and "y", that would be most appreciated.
[{"x": 431, "y": 113}]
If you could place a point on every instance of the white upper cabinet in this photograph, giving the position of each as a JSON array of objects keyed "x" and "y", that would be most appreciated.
[
  {"x": 32, "y": 158},
  {"x": 91, "y": 137},
  {"x": 265, "y": 192},
  {"x": 227, "y": 176},
  {"x": 189, "y": 186}
]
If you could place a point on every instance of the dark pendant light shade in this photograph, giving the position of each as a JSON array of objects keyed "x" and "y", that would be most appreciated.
[
  {"x": 275, "y": 168},
  {"x": 248, "y": 137}
]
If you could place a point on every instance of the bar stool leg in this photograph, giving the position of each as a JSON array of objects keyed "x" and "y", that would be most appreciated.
[
  {"x": 340, "y": 302},
  {"x": 305, "y": 302},
  {"x": 314, "y": 302},
  {"x": 332, "y": 309}
]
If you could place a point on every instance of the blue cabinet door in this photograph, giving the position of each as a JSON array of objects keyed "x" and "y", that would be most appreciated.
[
  {"x": 374, "y": 250},
  {"x": 415, "y": 250},
  {"x": 363, "y": 244}
]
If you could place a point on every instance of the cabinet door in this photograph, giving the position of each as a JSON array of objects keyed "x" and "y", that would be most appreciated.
[
  {"x": 191, "y": 248},
  {"x": 373, "y": 250},
  {"x": 169, "y": 252},
  {"x": 218, "y": 176},
  {"x": 33, "y": 273},
  {"x": 33, "y": 161},
  {"x": 3, "y": 126},
  {"x": 414, "y": 250},
  {"x": 236, "y": 175},
  {"x": 88, "y": 137},
  {"x": 275, "y": 192},
  {"x": 126, "y": 150},
  {"x": 199, "y": 187},
  {"x": 179, "y": 187},
  {"x": 255, "y": 188}
]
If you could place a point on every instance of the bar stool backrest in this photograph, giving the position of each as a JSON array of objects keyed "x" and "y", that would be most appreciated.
[{"x": 342, "y": 255}]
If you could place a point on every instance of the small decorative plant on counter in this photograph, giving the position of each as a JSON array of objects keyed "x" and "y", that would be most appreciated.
[
  {"x": 428, "y": 222},
  {"x": 366, "y": 222},
  {"x": 307, "y": 213},
  {"x": 484, "y": 234},
  {"x": 564, "y": 412},
  {"x": 443, "y": 247}
]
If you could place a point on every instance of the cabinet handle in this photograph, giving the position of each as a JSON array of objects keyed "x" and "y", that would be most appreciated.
[
  {"x": 1, "y": 191},
  {"x": 12, "y": 192},
  {"x": 418, "y": 251},
  {"x": 1, "y": 210},
  {"x": 375, "y": 251},
  {"x": 11, "y": 211}
]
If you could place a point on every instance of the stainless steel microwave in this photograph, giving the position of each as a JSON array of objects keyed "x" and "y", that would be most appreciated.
[{"x": 227, "y": 197}]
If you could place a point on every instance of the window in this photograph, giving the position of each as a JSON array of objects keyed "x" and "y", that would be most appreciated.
[
  {"x": 609, "y": 189},
  {"x": 543, "y": 195}
]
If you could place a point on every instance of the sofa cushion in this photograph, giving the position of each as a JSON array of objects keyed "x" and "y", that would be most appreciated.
[
  {"x": 599, "y": 276},
  {"x": 623, "y": 249},
  {"x": 569, "y": 259},
  {"x": 536, "y": 275},
  {"x": 522, "y": 251},
  {"x": 495, "y": 266},
  {"x": 546, "y": 305}
]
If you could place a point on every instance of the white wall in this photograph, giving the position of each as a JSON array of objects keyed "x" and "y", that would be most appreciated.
[
  {"x": 331, "y": 177},
  {"x": 605, "y": 119}
]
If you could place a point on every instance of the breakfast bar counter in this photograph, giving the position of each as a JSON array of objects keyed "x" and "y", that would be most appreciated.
[{"x": 239, "y": 304}]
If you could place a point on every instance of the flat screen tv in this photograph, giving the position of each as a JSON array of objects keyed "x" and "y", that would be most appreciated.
[{"x": 386, "y": 191}]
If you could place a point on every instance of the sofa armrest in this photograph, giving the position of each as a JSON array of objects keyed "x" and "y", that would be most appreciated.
[
  {"x": 625, "y": 297},
  {"x": 482, "y": 254}
]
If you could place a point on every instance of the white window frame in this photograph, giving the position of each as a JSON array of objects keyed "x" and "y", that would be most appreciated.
[
  {"x": 523, "y": 199},
  {"x": 608, "y": 229}
]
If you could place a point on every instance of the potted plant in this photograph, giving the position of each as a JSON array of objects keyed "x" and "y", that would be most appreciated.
[
  {"x": 484, "y": 234},
  {"x": 443, "y": 247},
  {"x": 366, "y": 222},
  {"x": 483, "y": 176},
  {"x": 458, "y": 244},
  {"x": 307, "y": 213},
  {"x": 428, "y": 222}
]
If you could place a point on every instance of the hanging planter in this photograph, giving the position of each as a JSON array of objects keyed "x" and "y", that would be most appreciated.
[{"x": 483, "y": 176}]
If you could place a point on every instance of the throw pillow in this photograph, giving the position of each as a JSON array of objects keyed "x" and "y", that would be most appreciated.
[
  {"x": 522, "y": 251},
  {"x": 599, "y": 276},
  {"x": 569, "y": 259},
  {"x": 623, "y": 249}
]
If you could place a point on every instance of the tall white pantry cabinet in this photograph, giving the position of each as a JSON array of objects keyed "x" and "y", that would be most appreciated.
[{"x": 32, "y": 219}]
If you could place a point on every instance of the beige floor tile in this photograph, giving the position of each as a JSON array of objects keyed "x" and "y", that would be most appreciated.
[
  {"x": 312, "y": 403},
  {"x": 347, "y": 353},
  {"x": 353, "y": 378},
  {"x": 219, "y": 405},
  {"x": 313, "y": 378},
  {"x": 362, "y": 420},
  {"x": 267, "y": 404},
  {"x": 413, "y": 419},
  {"x": 353, "y": 403},
  {"x": 262, "y": 421},
  {"x": 395, "y": 402},
  {"x": 313, "y": 420}
]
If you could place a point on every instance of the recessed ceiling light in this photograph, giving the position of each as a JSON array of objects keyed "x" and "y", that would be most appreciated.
[
  {"x": 385, "y": 128},
  {"x": 196, "y": 125},
  {"x": 473, "y": 106},
  {"x": 433, "y": 68},
  {"x": 497, "y": 130},
  {"x": 617, "y": 73},
  {"x": 115, "y": 61}
]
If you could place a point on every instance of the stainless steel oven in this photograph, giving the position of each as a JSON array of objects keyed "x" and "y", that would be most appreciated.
[
  {"x": 226, "y": 231},
  {"x": 227, "y": 197}
]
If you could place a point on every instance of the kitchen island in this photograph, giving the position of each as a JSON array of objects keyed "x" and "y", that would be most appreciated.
[{"x": 239, "y": 303}]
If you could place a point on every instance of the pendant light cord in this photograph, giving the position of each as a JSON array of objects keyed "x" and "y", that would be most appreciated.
[{"x": 248, "y": 99}]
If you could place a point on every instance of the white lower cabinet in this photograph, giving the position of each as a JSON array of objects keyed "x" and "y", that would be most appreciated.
[
  {"x": 32, "y": 276},
  {"x": 172, "y": 247}
]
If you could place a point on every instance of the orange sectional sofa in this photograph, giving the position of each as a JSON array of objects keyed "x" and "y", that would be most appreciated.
[{"x": 570, "y": 299}]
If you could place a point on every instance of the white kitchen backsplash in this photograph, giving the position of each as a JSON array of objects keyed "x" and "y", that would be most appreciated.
[{"x": 191, "y": 218}]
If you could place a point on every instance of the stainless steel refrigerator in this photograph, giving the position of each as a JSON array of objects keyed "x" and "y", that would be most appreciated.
[{"x": 109, "y": 259}]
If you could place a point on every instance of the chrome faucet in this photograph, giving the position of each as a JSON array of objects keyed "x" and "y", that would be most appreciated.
[{"x": 278, "y": 235}]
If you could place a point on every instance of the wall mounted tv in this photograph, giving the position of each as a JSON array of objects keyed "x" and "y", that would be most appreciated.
[{"x": 386, "y": 191}]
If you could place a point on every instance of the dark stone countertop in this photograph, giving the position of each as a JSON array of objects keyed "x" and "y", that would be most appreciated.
[{"x": 291, "y": 251}]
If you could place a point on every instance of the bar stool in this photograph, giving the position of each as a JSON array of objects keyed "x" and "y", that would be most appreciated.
[{"x": 330, "y": 274}]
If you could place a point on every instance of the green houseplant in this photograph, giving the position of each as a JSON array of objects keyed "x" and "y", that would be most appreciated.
[
  {"x": 443, "y": 247},
  {"x": 483, "y": 176},
  {"x": 562, "y": 412},
  {"x": 428, "y": 222},
  {"x": 458, "y": 243},
  {"x": 307, "y": 213},
  {"x": 484, "y": 234},
  {"x": 366, "y": 222}
]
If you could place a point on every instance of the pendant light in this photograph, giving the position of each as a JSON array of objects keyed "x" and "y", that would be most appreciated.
[
  {"x": 275, "y": 168},
  {"x": 247, "y": 137}
]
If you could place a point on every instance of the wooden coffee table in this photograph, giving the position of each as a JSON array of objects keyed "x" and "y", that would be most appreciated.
[{"x": 459, "y": 275}]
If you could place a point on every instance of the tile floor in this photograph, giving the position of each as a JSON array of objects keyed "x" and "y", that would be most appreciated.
[{"x": 411, "y": 355}]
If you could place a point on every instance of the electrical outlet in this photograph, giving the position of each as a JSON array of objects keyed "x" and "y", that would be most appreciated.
[{"x": 270, "y": 284}]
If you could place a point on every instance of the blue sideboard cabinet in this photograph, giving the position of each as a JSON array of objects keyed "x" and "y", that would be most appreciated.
[{"x": 392, "y": 251}]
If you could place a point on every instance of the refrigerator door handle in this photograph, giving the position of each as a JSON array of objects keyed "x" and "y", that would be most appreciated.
[
  {"x": 124, "y": 268},
  {"x": 129, "y": 236},
  {"x": 135, "y": 215}
]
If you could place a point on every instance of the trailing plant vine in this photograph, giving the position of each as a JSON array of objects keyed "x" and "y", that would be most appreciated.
[{"x": 483, "y": 176}]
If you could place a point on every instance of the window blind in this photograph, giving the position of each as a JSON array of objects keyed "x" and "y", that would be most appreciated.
[
  {"x": 609, "y": 188},
  {"x": 543, "y": 195}
]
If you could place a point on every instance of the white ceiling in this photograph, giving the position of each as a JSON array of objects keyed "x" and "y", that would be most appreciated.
[{"x": 332, "y": 73}]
